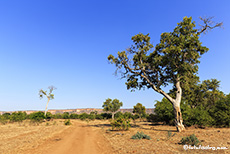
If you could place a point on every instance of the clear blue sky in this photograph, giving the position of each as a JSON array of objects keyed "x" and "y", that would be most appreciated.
[{"x": 66, "y": 44}]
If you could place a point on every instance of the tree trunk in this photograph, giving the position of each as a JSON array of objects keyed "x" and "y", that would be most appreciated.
[
  {"x": 178, "y": 118},
  {"x": 47, "y": 106},
  {"x": 113, "y": 115}
]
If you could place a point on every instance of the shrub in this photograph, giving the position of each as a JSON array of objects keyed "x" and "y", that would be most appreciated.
[
  {"x": 120, "y": 124},
  {"x": 37, "y": 116},
  {"x": 65, "y": 115},
  {"x": 106, "y": 115},
  {"x": 118, "y": 115},
  {"x": 140, "y": 135},
  {"x": 57, "y": 116},
  {"x": 18, "y": 116},
  {"x": 67, "y": 122},
  {"x": 48, "y": 116},
  {"x": 6, "y": 115},
  {"x": 92, "y": 116},
  {"x": 190, "y": 140},
  {"x": 74, "y": 116},
  {"x": 128, "y": 115},
  {"x": 99, "y": 116},
  {"x": 3, "y": 119},
  {"x": 83, "y": 116}
]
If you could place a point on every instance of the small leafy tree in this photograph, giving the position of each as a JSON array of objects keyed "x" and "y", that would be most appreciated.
[
  {"x": 112, "y": 106},
  {"x": 139, "y": 109},
  {"x": 18, "y": 116},
  {"x": 49, "y": 95}
]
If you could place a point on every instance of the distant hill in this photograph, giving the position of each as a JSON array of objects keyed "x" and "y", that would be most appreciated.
[{"x": 79, "y": 111}]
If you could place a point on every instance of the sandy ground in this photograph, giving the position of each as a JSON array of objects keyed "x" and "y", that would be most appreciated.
[{"x": 96, "y": 137}]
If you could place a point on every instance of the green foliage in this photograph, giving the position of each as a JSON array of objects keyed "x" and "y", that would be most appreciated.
[
  {"x": 164, "y": 111},
  {"x": 190, "y": 140},
  {"x": 57, "y": 116},
  {"x": 74, "y": 116},
  {"x": 140, "y": 135},
  {"x": 112, "y": 105},
  {"x": 37, "y": 116},
  {"x": 67, "y": 122},
  {"x": 48, "y": 115},
  {"x": 6, "y": 115},
  {"x": 120, "y": 124},
  {"x": 3, "y": 119},
  {"x": 65, "y": 115},
  {"x": 221, "y": 112},
  {"x": 18, "y": 116},
  {"x": 118, "y": 115},
  {"x": 139, "y": 109},
  {"x": 128, "y": 115},
  {"x": 83, "y": 116}
]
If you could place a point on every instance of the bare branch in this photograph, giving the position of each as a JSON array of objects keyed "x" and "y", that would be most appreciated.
[{"x": 208, "y": 24}]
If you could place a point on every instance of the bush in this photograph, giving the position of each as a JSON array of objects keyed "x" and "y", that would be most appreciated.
[
  {"x": 18, "y": 116},
  {"x": 106, "y": 115},
  {"x": 65, "y": 115},
  {"x": 74, "y": 116},
  {"x": 190, "y": 140},
  {"x": 57, "y": 116},
  {"x": 37, "y": 116},
  {"x": 120, "y": 124},
  {"x": 99, "y": 116},
  {"x": 118, "y": 115},
  {"x": 91, "y": 117},
  {"x": 128, "y": 115},
  {"x": 48, "y": 116},
  {"x": 83, "y": 116},
  {"x": 3, "y": 119},
  {"x": 6, "y": 115},
  {"x": 221, "y": 112},
  {"x": 140, "y": 135},
  {"x": 67, "y": 122}
]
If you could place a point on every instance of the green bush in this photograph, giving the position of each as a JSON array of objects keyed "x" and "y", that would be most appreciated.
[
  {"x": 221, "y": 112},
  {"x": 92, "y": 116},
  {"x": 140, "y": 135},
  {"x": 37, "y": 116},
  {"x": 99, "y": 116},
  {"x": 6, "y": 115},
  {"x": 118, "y": 115},
  {"x": 128, "y": 115},
  {"x": 49, "y": 116},
  {"x": 57, "y": 116},
  {"x": 3, "y": 119},
  {"x": 106, "y": 115},
  {"x": 83, "y": 116},
  {"x": 74, "y": 116},
  {"x": 18, "y": 116},
  {"x": 67, "y": 122},
  {"x": 120, "y": 124},
  {"x": 190, "y": 140},
  {"x": 65, "y": 115}
]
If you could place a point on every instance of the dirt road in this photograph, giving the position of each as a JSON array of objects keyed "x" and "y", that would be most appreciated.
[{"x": 78, "y": 139}]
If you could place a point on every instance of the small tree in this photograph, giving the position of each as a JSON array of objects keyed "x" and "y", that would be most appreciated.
[
  {"x": 49, "y": 96},
  {"x": 112, "y": 106},
  {"x": 139, "y": 109}
]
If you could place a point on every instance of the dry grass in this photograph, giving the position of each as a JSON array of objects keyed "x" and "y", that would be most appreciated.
[
  {"x": 17, "y": 138},
  {"x": 160, "y": 141}
]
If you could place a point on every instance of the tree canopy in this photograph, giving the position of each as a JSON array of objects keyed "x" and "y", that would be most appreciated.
[
  {"x": 112, "y": 105},
  {"x": 173, "y": 61}
]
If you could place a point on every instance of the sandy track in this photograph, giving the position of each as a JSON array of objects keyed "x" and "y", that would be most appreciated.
[{"x": 78, "y": 139}]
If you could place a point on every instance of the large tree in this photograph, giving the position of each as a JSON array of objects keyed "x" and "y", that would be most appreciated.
[{"x": 172, "y": 62}]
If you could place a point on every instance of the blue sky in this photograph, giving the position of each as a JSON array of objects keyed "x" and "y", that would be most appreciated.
[{"x": 66, "y": 44}]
